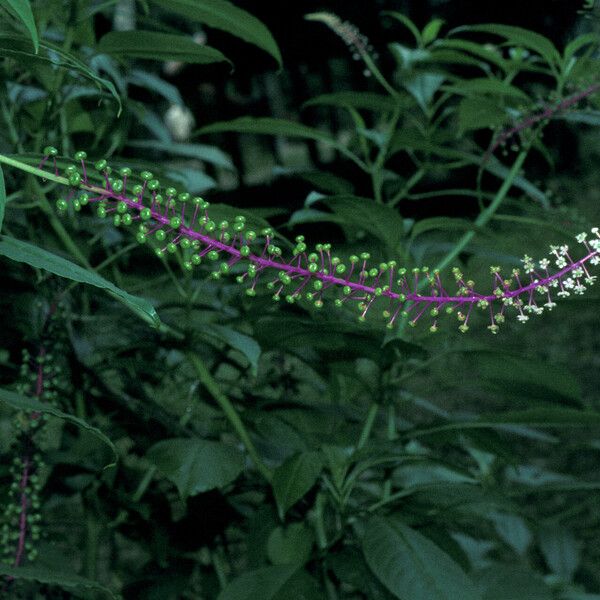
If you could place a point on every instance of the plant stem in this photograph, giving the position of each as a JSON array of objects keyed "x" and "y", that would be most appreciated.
[
  {"x": 368, "y": 426},
  {"x": 484, "y": 216},
  {"x": 230, "y": 413}
]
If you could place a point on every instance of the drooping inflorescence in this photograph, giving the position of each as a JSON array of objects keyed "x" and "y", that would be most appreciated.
[{"x": 177, "y": 223}]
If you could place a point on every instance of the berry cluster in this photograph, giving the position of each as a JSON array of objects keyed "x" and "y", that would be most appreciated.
[
  {"x": 177, "y": 223},
  {"x": 41, "y": 378}
]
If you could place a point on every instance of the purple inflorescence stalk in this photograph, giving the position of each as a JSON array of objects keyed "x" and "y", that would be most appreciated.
[
  {"x": 547, "y": 113},
  {"x": 165, "y": 218}
]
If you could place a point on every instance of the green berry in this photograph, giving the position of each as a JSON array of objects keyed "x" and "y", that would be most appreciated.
[
  {"x": 74, "y": 179},
  {"x": 146, "y": 175},
  {"x": 101, "y": 165},
  {"x": 50, "y": 151}
]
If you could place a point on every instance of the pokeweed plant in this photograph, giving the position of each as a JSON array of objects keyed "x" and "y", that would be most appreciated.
[{"x": 354, "y": 491}]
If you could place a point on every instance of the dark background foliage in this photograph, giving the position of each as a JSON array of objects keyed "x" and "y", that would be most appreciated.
[{"x": 241, "y": 449}]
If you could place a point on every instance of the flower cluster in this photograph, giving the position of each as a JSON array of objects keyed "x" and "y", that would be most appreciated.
[{"x": 179, "y": 224}]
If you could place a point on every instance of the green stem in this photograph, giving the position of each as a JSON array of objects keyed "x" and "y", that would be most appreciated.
[
  {"x": 484, "y": 216},
  {"x": 412, "y": 181},
  {"x": 144, "y": 483},
  {"x": 230, "y": 413},
  {"x": 368, "y": 426}
]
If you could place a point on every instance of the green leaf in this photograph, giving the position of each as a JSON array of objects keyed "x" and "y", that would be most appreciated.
[
  {"x": 480, "y": 113},
  {"x": 440, "y": 224},
  {"x": 22, "y": 8},
  {"x": 406, "y": 22},
  {"x": 280, "y": 582},
  {"x": 17, "y": 47},
  {"x": 2, "y": 197},
  {"x": 248, "y": 346},
  {"x": 561, "y": 550},
  {"x": 513, "y": 530},
  {"x": 196, "y": 465},
  {"x": 486, "y": 86},
  {"x": 432, "y": 30},
  {"x": 383, "y": 222},
  {"x": 526, "y": 378},
  {"x": 53, "y": 577},
  {"x": 270, "y": 126},
  {"x": 411, "y": 566},
  {"x": 23, "y": 252},
  {"x": 294, "y": 478},
  {"x": 358, "y": 100},
  {"x": 158, "y": 46},
  {"x": 507, "y": 582},
  {"x": 226, "y": 17},
  {"x": 27, "y": 404},
  {"x": 290, "y": 545},
  {"x": 204, "y": 152},
  {"x": 519, "y": 37},
  {"x": 267, "y": 126},
  {"x": 423, "y": 87}
]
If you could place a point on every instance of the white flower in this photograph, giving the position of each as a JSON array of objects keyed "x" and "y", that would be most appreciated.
[
  {"x": 591, "y": 279},
  {"x": 564, "y": 250},
  {"x": 561, "y": 262},
  {"x": 569, "y": 283},
  {"x": 550, "y": 305},
  {"x": 581, "y": 237},
  {"x": 544, "y": 263},
  {"x": 563, "y": 294},
  {"x": 522, "y": 318},
  {"x": 579, "y": 289}
]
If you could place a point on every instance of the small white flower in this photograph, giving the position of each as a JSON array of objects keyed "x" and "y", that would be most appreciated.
[
  {"x": 522, "y": 318},
  {"x": 569, "y": 283},
  {"x": 544, "y": 263},
  {"x": 561, "y": 262},
  {"x": 595, "y": 230},
  {"x": 579, "y": 289},
  {"x": 595, "y": 260},
  {"x": 550, "y": 305},
  {"x": 563, "y": 294},
  {"x": 564, "y": 250},
  {"x": 581, "y": 237},
  {"x": 591, "y": 279}
]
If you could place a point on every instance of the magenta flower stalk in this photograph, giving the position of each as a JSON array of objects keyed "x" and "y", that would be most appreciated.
[{"x": 177, "y": 223}]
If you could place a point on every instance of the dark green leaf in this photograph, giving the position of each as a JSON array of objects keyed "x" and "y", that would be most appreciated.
[
  {"x": 358, "y": 100},
  {"x": 20, "y": 251},
  {"x": 267, "y": 126},
  {"x": 22, "y": 8},
  {"x": 2, "y": 198},
  {"x": 294, "y": 478},
  {"x": 17, "y": 47},
  {"x": 432, "y": 30},
  {"x": 383, "y": 222},
  {"x": 27, "y": 404},
  {"x": 280, "y": 582},
  {"x": 227, "y": 17},
  {"x": 488, "y": 87},
  {"x": 53, "y": 577},
  {"x": 505, "y": 582},
  {"x": 204, "y": 152},
  {"x": 158, "y": 46},
  {"x": 411, "y": 565},
  {"x": 290, "y": 545},
  {"x": 196, "y": 465},
  {"x": 561, "y": 550},
  {"x": 519, "y": 37},
  {"x": 248, "y": 346}
]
